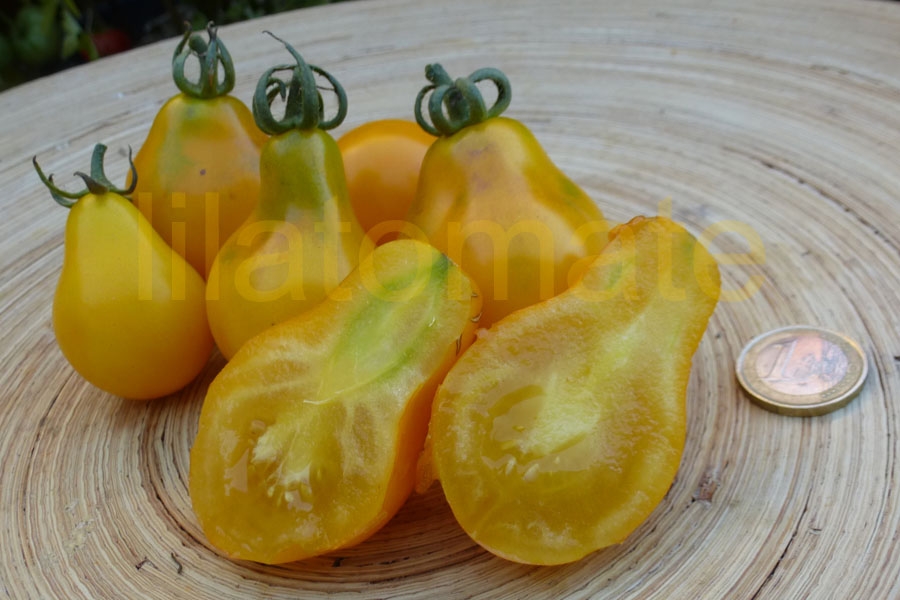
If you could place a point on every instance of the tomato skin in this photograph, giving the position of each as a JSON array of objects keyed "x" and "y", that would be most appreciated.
[
  {"x": 297, "y": 245},
  {"x": 382, "y": 161},
  {"x": 490, "y": 198},
  {"x": 198, "y": 173},
  {"x": 128, "y": 313}
]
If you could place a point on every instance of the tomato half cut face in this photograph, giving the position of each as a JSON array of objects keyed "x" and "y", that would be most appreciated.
[
  {"x": 308, "y": 438},
  {"x": 561, "y": 429}
]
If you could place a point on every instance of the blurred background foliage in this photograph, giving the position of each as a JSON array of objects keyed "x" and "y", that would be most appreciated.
[{"x": 39, "y": 37}]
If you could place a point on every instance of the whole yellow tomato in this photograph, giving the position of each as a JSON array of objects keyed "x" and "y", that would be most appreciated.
[
  {"x": 199, "y": 166},
  {"x": 129, "y": 313},
  {"x": 302, "y": 238},
  {"x": 381, "y": 162},
  {"x": 492, "y": 200}
]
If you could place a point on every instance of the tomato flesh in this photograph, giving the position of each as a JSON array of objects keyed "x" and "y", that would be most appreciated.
[
  {"x": 309, "y": 437},
  {"x": 561, "y": 429}
]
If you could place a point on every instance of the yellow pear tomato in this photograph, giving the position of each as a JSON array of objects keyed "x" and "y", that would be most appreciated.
[
  {"x": 309, "y": 437},
  {"x": 491, "y": 198},
  {"x": 560, "y": 431},
  {"x": 199, "y": 166},
  {"x": 129, "y": 313},
  {"x": 302, "y": 238}
]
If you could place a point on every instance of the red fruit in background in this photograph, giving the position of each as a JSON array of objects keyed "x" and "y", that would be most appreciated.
[{"x": 110, "y": 41}]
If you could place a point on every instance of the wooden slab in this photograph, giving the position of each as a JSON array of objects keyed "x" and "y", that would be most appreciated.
[{"x": 778, "y": 123}]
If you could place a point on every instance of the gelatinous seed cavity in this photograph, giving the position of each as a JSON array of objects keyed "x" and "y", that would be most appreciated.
[
  {"x": 279, "y": 458},
  {"x": 536, "y": 432},
  {"x": 514, "y": 414}
]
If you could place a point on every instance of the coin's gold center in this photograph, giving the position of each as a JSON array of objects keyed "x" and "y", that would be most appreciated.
[{"x": 802, "y": 365}]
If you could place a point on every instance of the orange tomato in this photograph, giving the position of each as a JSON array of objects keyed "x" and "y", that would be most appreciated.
[{"x": 381, "y": 161}]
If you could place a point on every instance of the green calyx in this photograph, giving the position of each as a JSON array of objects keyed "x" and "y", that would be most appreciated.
[
  {"x": 456, "y": 104},
  {"x": 304, "y": 106},
  {"x": 96, "y": 183},
  {"x": 210, "y": 54}
]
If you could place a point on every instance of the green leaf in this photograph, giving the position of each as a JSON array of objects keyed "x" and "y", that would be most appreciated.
[
  {"x": 72, "y": 8},
  {"x": 71, "y": 39}
]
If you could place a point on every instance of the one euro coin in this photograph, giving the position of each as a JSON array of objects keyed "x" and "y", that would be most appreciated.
[{"x": 802, "y": 370}]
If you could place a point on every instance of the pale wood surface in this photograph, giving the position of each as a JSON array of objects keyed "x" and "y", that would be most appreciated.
[{"x": 781, "y": 116}]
